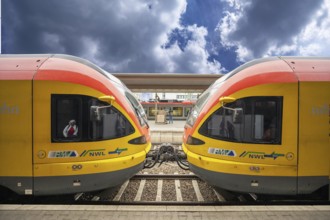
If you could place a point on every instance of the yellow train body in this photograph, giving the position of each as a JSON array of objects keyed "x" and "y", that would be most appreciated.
[
  {"x": 34, "y": 159},
  {"x": 297, "y": 161}
]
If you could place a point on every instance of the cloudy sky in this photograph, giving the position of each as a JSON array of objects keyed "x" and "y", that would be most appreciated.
[{"x": 165, "y": 36}]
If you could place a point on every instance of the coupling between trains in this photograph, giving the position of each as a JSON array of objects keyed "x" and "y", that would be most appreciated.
[{"x": 68, "y": 126}]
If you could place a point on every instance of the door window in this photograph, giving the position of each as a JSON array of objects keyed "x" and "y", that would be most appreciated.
[{"x": 67, "y": 118}]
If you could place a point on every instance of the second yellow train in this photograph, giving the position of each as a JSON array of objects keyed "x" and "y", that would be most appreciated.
[{"x": 264, "y": 128}]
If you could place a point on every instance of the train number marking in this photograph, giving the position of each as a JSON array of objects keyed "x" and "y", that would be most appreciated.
[
  {"x": 62, "y": 154},
  {"x": 222, "y": 152}
]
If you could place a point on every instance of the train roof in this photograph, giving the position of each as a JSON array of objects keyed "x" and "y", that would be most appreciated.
[
  {"x": 26, "y": 62},
  {"x": 309, "y": 68},
  {"x": 277, "y": 70},
  {"x": 35, "y": 66},
  {"x": 301, "y": 66},
  {"x": 20, "y": 67}
]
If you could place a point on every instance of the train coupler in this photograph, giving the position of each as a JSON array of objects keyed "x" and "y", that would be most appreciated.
[{"x": 164, "y": 153}]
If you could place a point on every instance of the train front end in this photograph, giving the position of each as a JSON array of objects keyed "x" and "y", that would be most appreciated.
[
  {"x": 241, "y": 134},
  {"x": 86, "y": 131},
  {"x": 113, "y": 135}
]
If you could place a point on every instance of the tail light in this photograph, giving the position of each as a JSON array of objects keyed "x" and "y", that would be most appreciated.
[
  {"x": 139, "y": 140},
  {"x": 194, "y": 141}
]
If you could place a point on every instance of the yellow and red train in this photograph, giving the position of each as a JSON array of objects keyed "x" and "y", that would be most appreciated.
[
  {"x": 180, "y": 109},
  {"x": 66, "y": 126},
  {"x": 264, "y": 128}
]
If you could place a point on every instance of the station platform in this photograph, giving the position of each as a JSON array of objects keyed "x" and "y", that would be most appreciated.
[
  {"x": 84, "y": 212},
  {"x": 166, "y": 133}
]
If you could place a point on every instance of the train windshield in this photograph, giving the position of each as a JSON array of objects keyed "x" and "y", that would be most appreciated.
[
  {"x": 247, "y": 120},
  {"x": 139, "y": 111},
  {"x": 197, "y": 108},
  {"x": 201, "y": 102}
]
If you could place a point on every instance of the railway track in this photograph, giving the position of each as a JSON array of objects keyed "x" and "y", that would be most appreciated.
[{"x": 158, "y": 189}]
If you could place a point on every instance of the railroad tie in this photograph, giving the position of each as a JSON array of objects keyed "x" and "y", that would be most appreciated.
[
  {"x": 121, "y": 191},
  {"x": 140, "y": 190},
  {"x": 220, "y": 197},
  {"x": 178, "y": 190},
  {"x": 159, "y": 189},
  {"x": 197, "y": 191}
]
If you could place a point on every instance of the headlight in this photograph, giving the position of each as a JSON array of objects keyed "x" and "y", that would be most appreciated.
[
  {"x": 139, "y": 140},
  {"x": 194, "y": 141}
]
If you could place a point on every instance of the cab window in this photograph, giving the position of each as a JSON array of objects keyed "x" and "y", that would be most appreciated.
[
  {"x": 139, "y": 110},
  {"x": 106, "y": 122},
  {"x": 247, "y": 120},
  {"x": 84, "y": 118}
]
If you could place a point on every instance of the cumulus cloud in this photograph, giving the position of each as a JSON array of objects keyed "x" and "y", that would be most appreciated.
[
  {"x": 120, "y": 36},
  {"x": 261, "y": 28},
  {"x": 314, "y": 38},
  {"x": 191, "y": 54}
]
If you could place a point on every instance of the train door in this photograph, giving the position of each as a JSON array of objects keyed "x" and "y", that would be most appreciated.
[
  {"x": 16, "y": 131},
  {"x": 55, "y": 141},
  {"x": 273, "y": 136},
  {"x": 314, "y": 105}
]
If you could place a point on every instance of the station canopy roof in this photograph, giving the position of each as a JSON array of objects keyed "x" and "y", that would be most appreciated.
[{"x": 169, "y": 82}]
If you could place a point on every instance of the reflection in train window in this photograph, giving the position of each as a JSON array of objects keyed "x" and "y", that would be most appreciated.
[
  {"x": 106, "y": 122},
  {"x": 248, "y": 120}
]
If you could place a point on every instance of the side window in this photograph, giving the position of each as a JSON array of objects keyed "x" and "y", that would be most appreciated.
[
  {"x": 66, "y": 118},
  {"x": 248, "y": 120},
  {"x": 178, "y": 111}
]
